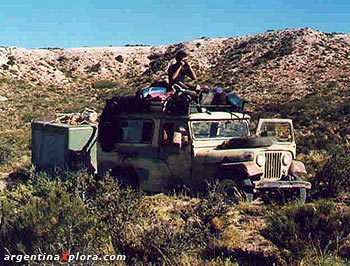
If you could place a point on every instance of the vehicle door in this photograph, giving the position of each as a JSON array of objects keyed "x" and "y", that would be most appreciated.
[
  {"x": 137, "y": 149},
  {"x": 175, "y": 150},
  {"x": 281, "y": 131}
]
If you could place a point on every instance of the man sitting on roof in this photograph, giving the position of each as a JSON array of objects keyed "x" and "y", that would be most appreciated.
[{"x": 181, "y": 71}]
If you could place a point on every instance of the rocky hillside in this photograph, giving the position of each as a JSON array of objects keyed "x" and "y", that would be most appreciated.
[
  {"x": 297, "y": 73},
  {"x": 293, "y": 63}
]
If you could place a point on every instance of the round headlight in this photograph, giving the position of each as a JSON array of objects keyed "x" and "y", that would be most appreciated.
[
  {"x": 260, "y": 159},
  {"x": 287, "y": 159}
]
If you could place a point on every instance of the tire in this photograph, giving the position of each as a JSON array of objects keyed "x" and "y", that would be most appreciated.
[
  {"x": 297, "y": 194},
  {"x": 301, "y": 195},
  {"x": 248, "y": 194},
  {"x": 127, "y": 178},
  {"x": 232, "y": 193}
]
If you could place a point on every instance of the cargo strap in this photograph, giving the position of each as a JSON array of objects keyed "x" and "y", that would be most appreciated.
[{"x": 91, "y": 142}]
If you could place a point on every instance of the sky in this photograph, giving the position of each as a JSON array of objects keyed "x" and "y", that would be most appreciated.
[{"x": 85, "y": 23}]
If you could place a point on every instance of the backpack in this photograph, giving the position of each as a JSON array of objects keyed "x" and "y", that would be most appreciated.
[{"x": 236, "y": 102}]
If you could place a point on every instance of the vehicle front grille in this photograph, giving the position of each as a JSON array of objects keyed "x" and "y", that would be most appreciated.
[{"x": 273, "y": 165}]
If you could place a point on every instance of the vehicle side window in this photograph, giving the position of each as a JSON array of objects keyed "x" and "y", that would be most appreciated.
[{"x": 134, "y": 131}]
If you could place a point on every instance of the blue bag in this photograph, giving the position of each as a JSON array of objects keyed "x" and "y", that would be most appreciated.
[{"x": 236, "y": 102}]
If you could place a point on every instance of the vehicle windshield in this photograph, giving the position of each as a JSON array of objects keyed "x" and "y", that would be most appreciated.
[{"x": 223, "y": 129}]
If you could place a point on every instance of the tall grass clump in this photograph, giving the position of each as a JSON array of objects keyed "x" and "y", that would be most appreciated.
[
  {"x": 313, "y": 231},
  {"x": 14, "y": 148},
  {"x": 74, "y": 212},
  {"x": 40, "y": 216},
  {"x": 333, "y": 180}
]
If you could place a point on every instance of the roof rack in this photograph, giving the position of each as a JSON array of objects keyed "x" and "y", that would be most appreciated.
[
  {"x": 197, "y": 108},
  {"x": 135, "y": 105}
]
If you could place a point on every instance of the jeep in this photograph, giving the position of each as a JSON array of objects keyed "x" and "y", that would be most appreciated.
[{"x": 155, "y": 151}]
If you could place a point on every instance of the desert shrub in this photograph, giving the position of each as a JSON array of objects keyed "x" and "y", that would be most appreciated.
[
  {"x": 94, "y": 68},
  {"x": 105, "y": 84},
  {"x": 14, "y": 145},
  {"x": 318, "y": 228},
  {"x": 41, "y": 216},
  {"x": 159, "y": 230},
  {"x": 332, "y": 181},
  {"x": 159, "y": 62},
  {"x": 119, "y": 58},
  {"x": 12, "y": 60},
  {"x": 62, "y": 58}
]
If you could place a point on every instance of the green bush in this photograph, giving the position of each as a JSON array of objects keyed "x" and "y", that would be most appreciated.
[
  {"x": 14, "y": 145},
  {"x": 75, "y": 212},
  {"x": 105, "y": 84},
  {"x": 317, "y": 229},
  {"x": 94, "y": 68},
  {"x": 139, "y": 230},
  {"x": 64, "y": 211},
  {"x": 40, "y": 216},
  {"x": 119, "y": 58},
  {"x": 12, "y": 60},
  {"x": 333, "y": 180}
]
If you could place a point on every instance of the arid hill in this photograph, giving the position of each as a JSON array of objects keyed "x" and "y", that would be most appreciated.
[
  {"x": 298, "y": 73},
  {"x": 288, "y": 64}
]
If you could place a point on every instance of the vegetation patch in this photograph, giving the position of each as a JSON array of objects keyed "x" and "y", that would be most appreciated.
[
  {"x": 94, "y": 68},
  {"x": 14, "y": 149},
  {"x": 314, "y": 230},
  {"x": 333, "y": 180},
  {"x": 119, "y": 59}
]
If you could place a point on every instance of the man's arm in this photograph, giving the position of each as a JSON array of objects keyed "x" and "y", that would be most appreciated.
[
  {"x": 191, "y": 72},
  {"x": 174, "y": 71}
]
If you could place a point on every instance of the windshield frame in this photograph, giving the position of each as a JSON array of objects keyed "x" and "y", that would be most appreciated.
[{"x": 246, "y": 121}]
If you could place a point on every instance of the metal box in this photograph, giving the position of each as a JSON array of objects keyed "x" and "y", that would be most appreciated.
[{"x": 60, "y": 145}]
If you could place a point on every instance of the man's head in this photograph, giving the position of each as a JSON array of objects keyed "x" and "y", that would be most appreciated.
[{"x": 181, "y": 55}]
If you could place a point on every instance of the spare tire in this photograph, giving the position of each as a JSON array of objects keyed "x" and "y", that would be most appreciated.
[{"x": 246, "y": 142}]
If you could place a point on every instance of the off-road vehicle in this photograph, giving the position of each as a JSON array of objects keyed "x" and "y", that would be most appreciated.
[{"x": 156, "y": 151}]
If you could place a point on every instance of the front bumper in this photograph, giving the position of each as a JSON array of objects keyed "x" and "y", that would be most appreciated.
[{"x": 282, "y": 184}]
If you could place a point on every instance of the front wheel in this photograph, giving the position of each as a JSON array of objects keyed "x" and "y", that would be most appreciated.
[
  {"x": 300, "y": 195},
  {"x": 233, "y": 193}
]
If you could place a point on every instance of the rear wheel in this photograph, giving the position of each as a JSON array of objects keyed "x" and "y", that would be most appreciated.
[{"x": 127, "y": 178}]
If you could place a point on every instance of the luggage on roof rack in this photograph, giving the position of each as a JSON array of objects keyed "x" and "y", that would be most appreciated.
[{"x": 184, "y": 102}]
